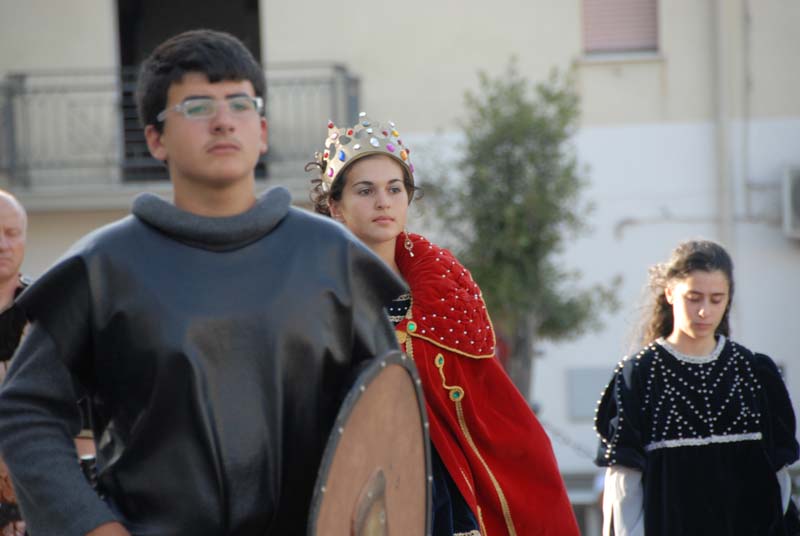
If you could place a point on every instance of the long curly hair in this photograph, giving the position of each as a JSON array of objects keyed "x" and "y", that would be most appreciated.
[{"x": 688, "y": 257}]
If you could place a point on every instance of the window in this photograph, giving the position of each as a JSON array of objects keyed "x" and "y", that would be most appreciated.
[{"x": 620, "y": 26}]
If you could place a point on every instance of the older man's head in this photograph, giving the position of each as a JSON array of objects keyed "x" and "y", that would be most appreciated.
[{"x": 13, "y": 227}]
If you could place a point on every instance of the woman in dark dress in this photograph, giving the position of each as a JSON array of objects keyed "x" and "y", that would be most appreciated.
[{"x": 696, "y": 430}]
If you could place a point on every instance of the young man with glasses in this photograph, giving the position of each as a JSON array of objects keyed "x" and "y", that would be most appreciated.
[{"x": 215, "y": 335}]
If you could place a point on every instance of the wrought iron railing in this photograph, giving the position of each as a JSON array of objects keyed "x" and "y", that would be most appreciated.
[{"x": 79, "y": 128}]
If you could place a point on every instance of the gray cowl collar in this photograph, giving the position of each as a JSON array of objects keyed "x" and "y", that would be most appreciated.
[{"x": 218, "y": 234}]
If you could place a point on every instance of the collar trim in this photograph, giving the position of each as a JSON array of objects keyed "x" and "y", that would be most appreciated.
[
  {"x": 693, "y": 358},
  {"x": 218, "y": 234}
]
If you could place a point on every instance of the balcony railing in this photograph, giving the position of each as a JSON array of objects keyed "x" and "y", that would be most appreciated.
[{"x": 78, "y": 131}]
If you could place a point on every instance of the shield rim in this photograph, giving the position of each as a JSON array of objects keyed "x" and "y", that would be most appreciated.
[{"x": 393, "y": 357}]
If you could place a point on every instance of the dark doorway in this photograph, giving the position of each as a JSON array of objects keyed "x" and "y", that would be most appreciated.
[{"x": 143, "y": 24}]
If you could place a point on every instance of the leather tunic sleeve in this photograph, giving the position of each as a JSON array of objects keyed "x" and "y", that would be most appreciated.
[
  {"x": 373, "y": 285},
  {"x": 38, "y": 418},
  {"x": 59, "y": 302}
]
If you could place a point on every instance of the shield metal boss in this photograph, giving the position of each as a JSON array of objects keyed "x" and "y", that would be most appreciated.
[{"x": 374, "y": 478}]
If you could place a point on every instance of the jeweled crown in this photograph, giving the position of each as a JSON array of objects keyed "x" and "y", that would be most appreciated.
[{"x": 346, "y": 145}]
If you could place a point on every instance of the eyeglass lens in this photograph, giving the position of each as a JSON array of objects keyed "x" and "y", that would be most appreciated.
[{"x": 206, "y": 107}]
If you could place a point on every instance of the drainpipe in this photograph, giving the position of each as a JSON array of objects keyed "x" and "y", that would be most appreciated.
[
  {"x": 723, "y": 82},
  {"x": 721, "y": 98},
  {"x": 747, "y": 91}
]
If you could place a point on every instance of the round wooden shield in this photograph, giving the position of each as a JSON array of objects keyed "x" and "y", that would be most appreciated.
[{"x": 375, "y": 474}]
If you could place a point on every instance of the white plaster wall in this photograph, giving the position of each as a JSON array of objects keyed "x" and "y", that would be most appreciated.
[
  {"x": 52, "y": 34},
  {"x": 416, "y": 59}
]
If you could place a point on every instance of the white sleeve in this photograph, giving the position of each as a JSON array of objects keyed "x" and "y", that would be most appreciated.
[
  {"x": 623, "y": 502},
  {"x": 785, "y": 482}
]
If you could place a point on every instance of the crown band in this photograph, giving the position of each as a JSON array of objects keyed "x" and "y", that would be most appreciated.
[{"x": 346, "y": 145}]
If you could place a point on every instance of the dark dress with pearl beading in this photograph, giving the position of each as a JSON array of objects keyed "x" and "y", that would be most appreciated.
[{"x": 707, "y": 433}]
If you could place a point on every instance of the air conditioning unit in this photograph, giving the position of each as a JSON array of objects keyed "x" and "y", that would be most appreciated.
[{"x": 791, "y": 203}]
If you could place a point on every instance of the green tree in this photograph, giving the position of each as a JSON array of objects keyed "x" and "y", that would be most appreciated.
[{"x": 515, "y": 201}]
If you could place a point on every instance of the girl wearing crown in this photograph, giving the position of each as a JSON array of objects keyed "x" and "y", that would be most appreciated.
[
  {"x": 696, "y": 430},
  {"x": 493, "y": 466}
]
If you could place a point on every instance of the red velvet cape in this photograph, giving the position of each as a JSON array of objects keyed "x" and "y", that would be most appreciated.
[{"x": 486, "y": 434}]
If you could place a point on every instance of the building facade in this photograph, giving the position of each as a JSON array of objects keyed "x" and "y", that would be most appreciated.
[{"x": 690, "y": 128}]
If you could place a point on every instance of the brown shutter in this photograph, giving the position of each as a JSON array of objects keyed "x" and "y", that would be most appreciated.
[{"x": 620, "y": 25}]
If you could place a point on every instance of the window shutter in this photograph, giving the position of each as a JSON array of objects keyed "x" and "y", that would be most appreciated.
[{"x": 620, "y": 25}]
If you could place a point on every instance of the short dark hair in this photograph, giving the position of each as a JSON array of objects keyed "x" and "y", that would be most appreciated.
[{"x": 218, "y": 55}]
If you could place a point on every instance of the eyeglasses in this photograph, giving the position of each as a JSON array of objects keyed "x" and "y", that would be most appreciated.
[{"x": 199, "y": 108}]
